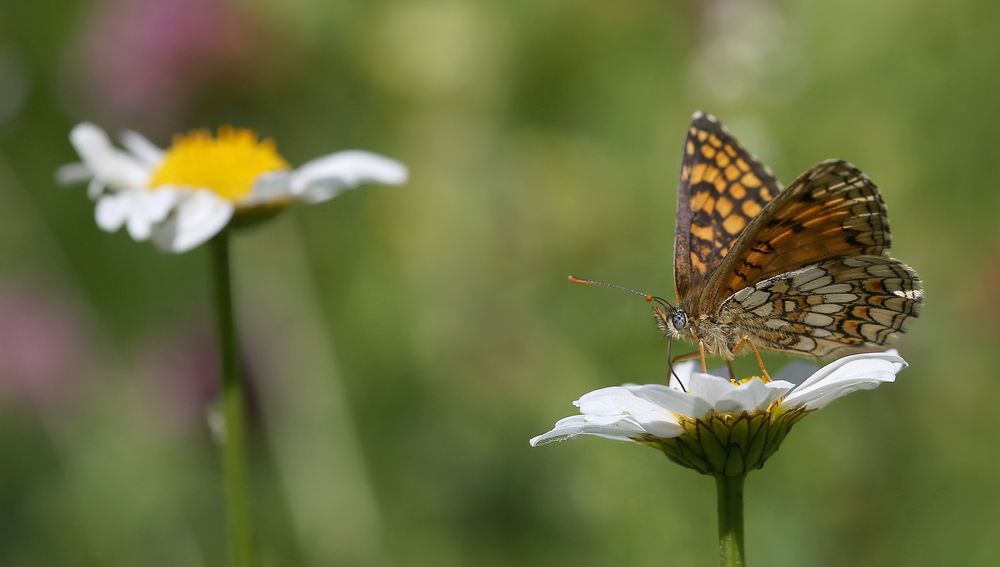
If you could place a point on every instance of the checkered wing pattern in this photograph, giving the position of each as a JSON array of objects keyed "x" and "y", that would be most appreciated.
[
  {"x": 832, "y": 210},
  {"x": 722, "y": 188},
  {"x": 829, "y": 308}
]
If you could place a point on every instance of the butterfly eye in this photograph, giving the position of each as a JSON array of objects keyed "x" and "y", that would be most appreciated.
[{"x": 679, "y": 319}]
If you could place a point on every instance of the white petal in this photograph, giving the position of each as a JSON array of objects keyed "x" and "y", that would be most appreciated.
[
  {"x": 617, "y": 413},
  {"x": 709, "y": 387},
  {"x": 752, "y": 395},
  {"x": 620, "y": 430},
  {"x": 112, "y": 210},
  {"x": 147, "y": 152},
  {"x": 72, "y": 173},
  {"x": 268, "y": 188},
  {"x": 672, "y": 400},
  {"x": 662, "y": 428},
  {"x": 157, "y": 204},
  {"x": 843, "y": 376},
  {"x": 325, "y": 177},
  {"x": 683, "y": 372},
  {"x": 138, "y": 225},
  {"x": 95, "y": 188},
  {"x": 197, "y": 218},
  {"x": 621, "y": 401},
  {"x": 149, "y": 208},
  {"x": 615, "y": 400},
  {"x": 775, "y": 390},
  {"x": 111, "y": 165}
]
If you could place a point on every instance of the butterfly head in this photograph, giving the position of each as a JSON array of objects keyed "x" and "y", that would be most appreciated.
[{"x": 673, "y": 321}]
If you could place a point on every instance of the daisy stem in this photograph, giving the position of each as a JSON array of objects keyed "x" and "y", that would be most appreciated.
[
  {"x": 730, "y": 493},
  {"x": 234, "y": 453}
]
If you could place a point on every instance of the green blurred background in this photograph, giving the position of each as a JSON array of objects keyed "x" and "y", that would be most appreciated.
[{"x": 406, "y": 342}]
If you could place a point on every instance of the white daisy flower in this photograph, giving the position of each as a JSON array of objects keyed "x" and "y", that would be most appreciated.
[
  {"x": 714, "y": 425},
  {"x": 185, "y": 195}
]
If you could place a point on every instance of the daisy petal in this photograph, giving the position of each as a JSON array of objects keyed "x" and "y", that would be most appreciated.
[
  {"x": 620, "y": 430},
  {"x": 197, "y": 218},
  {"x": 145, "y": 151},
  {"x": 269, "y": 188},
  {"x": 620, "y": 401},
  {"x": 709, "y": 387},
  {"x": 113, "y": 166},
  {"x": 619, "y": 412},
  {"x": 751, "y": 395},
  {"x": 670, "y": 399},
  {"x": 139, "y": 227},
  {"x": 682, "y": 372},
  {"x": 95, "y": 188},
  {"x": 157, "y": 204},
  {"x": 325, "y": 177},
  {"x": 843, "y": 376},
  {"x": 73, "y": 173},
  {"x": 147, "y": 209},
  {"x": 112, "y": 211}
]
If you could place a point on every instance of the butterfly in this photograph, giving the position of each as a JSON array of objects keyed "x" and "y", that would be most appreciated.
[{"x": 803, "y": 270}]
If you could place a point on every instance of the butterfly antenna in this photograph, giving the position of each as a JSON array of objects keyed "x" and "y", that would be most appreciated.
[{"x": 646, "y": 296}]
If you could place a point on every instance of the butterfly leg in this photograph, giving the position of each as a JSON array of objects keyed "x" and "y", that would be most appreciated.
[
  {"x": 732, "y": 372},
  {"x": 685, "y": 356},
  {"x": 760, "y": 362}
]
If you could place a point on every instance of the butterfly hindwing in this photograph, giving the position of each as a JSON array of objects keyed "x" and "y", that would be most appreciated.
[
  {"x": 832, "y": 210},
  {"x": 722, "y": 188},
  {"x": 829, "y": 308}
]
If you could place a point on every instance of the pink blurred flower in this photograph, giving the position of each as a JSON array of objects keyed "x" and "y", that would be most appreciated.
[
  {"x": 42, "y": 347},
  {"x": 147, "y": 61}
]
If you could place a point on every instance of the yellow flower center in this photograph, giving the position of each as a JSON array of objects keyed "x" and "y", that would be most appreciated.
[{"x": 227, "y": 164}]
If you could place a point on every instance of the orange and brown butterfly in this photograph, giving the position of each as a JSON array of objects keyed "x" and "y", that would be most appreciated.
[{"x": 804, "y": 270}]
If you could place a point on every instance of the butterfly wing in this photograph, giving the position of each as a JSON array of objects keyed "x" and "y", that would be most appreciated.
[
  {"x": 722, "y": 187},
  {"x": 832, "y": 210},
  {"x": 810, "y": 275},
  {"x": 829, "y": 308}
]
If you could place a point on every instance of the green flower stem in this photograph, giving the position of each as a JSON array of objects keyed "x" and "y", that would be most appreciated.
[
  {"x": 234, "y": 457},
  {"x": 730, "y": 493}
]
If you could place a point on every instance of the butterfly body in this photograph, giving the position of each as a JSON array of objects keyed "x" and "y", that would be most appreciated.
[{"x": 803, "y": 270}]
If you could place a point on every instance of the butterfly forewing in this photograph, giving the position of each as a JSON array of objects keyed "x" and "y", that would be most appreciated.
[
  {"x": 722, "y": 188},
  {"x": 828, "y": 308},
  {"x": 833, "y": 210}
]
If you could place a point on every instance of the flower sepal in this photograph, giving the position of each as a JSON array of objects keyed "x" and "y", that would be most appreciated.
[{"x": 726, "y": 444}]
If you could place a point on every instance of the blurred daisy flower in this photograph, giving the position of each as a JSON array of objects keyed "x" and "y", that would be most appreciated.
[
  {"x": 183, "y": 196},
  {"x": 715, "y": 425}
]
